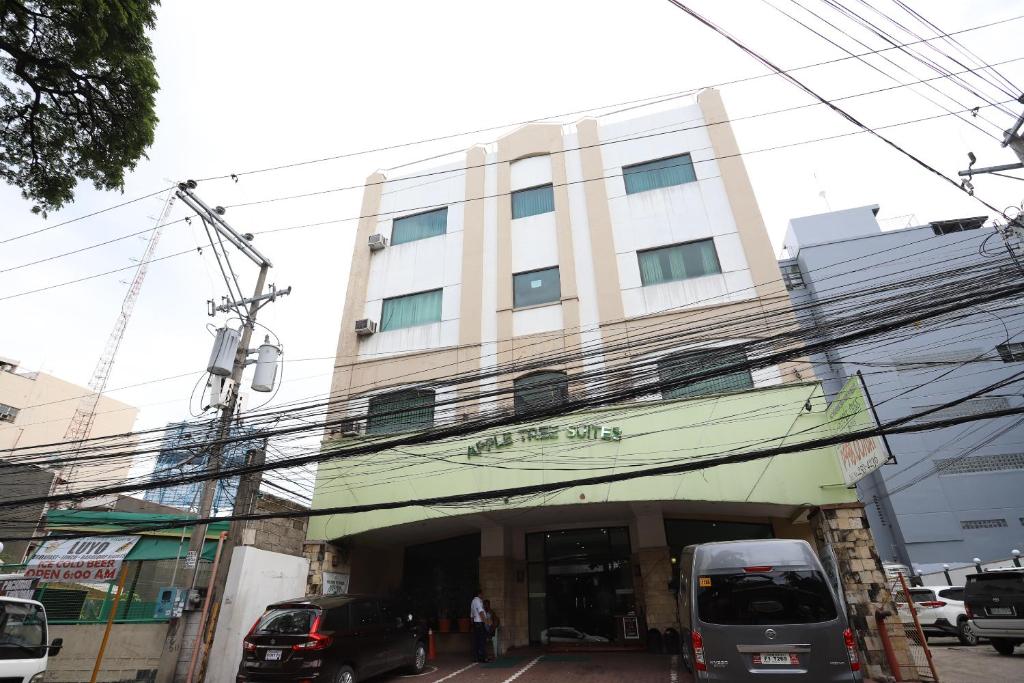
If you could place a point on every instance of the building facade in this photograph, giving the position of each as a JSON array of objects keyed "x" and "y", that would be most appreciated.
[
  {"x": 185, "y": 453},
  {"x": 949, "y": 495},
  {"x": 36, "y": 409},
  {"x": 559, "y": 263}
]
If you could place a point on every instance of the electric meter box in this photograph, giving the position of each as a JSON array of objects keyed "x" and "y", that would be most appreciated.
[
  {"x": 170, "y": 602},
  {"x": 222, "y": 357}
]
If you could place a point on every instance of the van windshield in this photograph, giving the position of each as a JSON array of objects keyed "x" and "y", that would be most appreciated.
[
  {"x": 22, "y": 630},
  {"x": 765, "y": 597},
  {"x": 287, "y": 621}
]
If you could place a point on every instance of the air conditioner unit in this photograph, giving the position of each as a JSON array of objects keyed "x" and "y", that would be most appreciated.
[
  {"x": 378, "y": 242},
  {"x": 365, "y": 327},
  {"x": 348, "y": 428}
]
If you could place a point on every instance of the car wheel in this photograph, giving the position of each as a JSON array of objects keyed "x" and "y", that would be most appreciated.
[
  {"x": 1003, "y": 646},
  {"x": 965, "y": 633},
  {"x": 345, "y": 675},
  {"x": 419, "y": 659}
]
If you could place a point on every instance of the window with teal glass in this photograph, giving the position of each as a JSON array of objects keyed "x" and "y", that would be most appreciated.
[
  {"x": 691, "y": 364},
  {"x": 540, "y": 390},
  {"x": 400, "y": 411},
  {"x": 411, "y": 310},
  {"x": 533, "y": 201},
  {"x": 678, "y": 262},
  {"x": 651, "y": 175},
  {"x": 419, "y": 226},
  {"x": 536, "y": 287}
]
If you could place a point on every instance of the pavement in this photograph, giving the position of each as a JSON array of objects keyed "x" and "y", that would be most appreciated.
[{"x": 957, "y": 663}]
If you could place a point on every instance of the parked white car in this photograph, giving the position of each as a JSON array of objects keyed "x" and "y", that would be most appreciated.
[
  {"x": 568, "y": 634},
  {"x": 941, "y": 611}
]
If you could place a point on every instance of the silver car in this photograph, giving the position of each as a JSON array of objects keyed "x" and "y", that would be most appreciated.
[{"x": 762, "y": 610}]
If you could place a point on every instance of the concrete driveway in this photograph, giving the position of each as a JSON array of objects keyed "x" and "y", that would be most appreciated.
[{"x": 959, "y": 664}]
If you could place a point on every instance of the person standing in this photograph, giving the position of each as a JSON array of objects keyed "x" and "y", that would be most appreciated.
[
  {"x": 476, "y": 611},
  {"x": 493, "y": 624}
]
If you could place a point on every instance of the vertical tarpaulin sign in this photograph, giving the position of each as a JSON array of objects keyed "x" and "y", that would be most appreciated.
[
  {"x": 850, "y": 412},
  {"x": 96, "y": 558}
]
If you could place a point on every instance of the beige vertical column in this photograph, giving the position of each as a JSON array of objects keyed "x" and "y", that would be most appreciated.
[
  {"x": 471, "y": 311},
  {"x": 602, "y": 241},
  {"x": 757, "y": 248},
  {"x": 355, "y": 294}
]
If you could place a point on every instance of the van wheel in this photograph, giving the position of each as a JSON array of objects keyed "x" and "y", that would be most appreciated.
[
  {"x": 965, "y": 633},
  {"x": 1003, "y": 646},
  {"x": 345, "y": 675},
  {"x": 419, "y": 659}
]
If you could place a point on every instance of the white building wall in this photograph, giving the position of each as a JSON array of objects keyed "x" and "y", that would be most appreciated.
[
  {"x": 666, "y": 216},
  {"x": 423, "y": 265},
  {"x": 256, "y": 578}
]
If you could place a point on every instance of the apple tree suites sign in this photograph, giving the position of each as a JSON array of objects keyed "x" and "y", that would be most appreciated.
[{"x": 583, "y": 432}]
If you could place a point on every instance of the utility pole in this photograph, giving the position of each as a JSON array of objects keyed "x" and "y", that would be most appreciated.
[
  {"x": 1013, "y": 139},
  {"x": 214, "y": 217}
]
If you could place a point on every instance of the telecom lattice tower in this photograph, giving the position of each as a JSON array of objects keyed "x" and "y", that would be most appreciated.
[{"x": 82, "y": 421}]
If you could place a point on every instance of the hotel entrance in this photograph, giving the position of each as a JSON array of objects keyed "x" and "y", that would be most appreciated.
[{"x": 580, "y": 580}]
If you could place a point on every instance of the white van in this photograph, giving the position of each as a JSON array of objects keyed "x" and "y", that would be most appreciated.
[{"x": 23, "y": 648}]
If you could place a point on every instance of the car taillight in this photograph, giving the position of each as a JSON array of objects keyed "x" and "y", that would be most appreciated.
[
  {"x": 851, "y": 650},
  {"x": 759, "y": 569},
  {"x": 932, "y": 603},
  {"x": 698, "y": 651},
  {"x": 249, "y": 646},
  {"x": 317, "y": 640}
]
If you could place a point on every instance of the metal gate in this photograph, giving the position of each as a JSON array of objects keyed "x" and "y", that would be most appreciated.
[{"x": 923, "y": 667}]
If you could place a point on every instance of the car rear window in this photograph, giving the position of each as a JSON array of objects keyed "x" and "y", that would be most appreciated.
[
  {"x": 996, "y": 584},
  {"x": 919, "y": 596},
  {"x": 287, "y": 620},
  {"x": 768, "y": 597},
  {"x": 952, "y": 594}
]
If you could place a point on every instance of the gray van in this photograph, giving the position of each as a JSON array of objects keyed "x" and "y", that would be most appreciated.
[{"x": 762, "y": 610}]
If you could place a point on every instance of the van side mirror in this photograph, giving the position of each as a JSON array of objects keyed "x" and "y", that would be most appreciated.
[{"x": 55, "y": 647}]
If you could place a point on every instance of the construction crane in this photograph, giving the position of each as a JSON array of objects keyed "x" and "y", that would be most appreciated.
[{"x": 85, "y": 414}]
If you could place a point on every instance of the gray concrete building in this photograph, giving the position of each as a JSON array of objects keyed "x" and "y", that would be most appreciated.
[{"x": 951, "y": 494}]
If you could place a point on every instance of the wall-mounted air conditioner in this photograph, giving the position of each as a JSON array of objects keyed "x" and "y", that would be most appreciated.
[
  {"x": 365, "y": 327},
  {"x": 378, "y": 242}
]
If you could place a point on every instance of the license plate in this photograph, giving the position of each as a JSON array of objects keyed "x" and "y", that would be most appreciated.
[
  {"x": 775, "y": 658},
  {"x": 273, "y": 655},
  {"x": 1000, "y": 611}
]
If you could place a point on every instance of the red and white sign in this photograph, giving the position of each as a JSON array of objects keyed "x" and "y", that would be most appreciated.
[{"x": 97, "y": 558}]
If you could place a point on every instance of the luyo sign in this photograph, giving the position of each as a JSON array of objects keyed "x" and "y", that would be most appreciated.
[{"x": 548, "y": 433}]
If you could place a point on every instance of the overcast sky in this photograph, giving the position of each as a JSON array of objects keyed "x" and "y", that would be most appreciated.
[{"x": 247, "y": 85}]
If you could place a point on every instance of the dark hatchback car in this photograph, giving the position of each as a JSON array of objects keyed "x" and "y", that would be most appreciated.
[{"x": 331, "y": 639}]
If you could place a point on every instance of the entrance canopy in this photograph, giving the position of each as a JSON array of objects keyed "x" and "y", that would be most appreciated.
[{"x": 625, "y": 438}]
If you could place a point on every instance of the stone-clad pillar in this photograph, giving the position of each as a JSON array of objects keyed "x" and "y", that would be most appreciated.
[
  {"x": 844, "y": 527},
  {"x": 659, "y": 602}
]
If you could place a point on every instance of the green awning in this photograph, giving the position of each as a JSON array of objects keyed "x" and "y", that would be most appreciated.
[{"x": 159, "y": 544}]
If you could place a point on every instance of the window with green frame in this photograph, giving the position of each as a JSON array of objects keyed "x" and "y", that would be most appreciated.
[
  {"x": 533, "y": 201},
  {"x": 536, "y": 287},
  {"x": 678, "y": 262},
  {"x": 692, "y": 363},
  {"x": 419, "y": 226},
  {"x": 540, "y": 390},
  {"x": 411, "y": 310},
  {"x": 400, "y": 411},
  {"x": 651, "y": 175}
]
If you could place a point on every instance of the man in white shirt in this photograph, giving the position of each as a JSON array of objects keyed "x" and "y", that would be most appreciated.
[{"x": 476, "y": 611}]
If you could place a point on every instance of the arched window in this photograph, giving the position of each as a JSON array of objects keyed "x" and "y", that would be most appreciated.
[
  {"x": 692, "y": 363},
  {"x": 400, "y": 411},
  {"x": 540, "y": 390}
]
